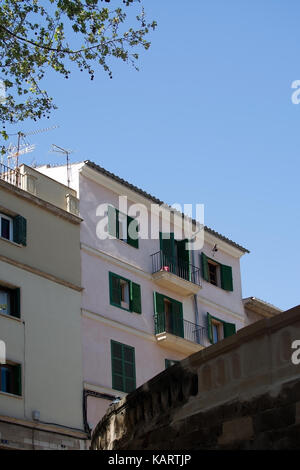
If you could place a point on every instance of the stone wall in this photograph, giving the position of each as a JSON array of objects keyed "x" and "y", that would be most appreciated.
[
  {"x": 242, "y": 393},
  {"x": 35, "y": 436}
]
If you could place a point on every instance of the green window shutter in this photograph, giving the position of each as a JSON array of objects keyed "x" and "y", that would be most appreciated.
[
  {"x": 123, "y": 367},
  {"x": 16, "y": 302},
  {"x": 114, "y": 289},
  {"x": 229, "y": 329},
  {"x": 112, "y": 214},
  {"x": 20, "y": 230},
  {"x": 167, "y": 247},
  {"x": 117, "y": 366},
  {"x": 209, "y": 328},
  {"x": 226, "y": 277},
  {"x": 129, "y": 368},
  {"x": 204, "y": 264},
  {"x": 159, "y": 305},
  {"x": 135, "y": 298},
  {"x": 18, "y": 379},
  {"x": 183, "y": 259},
  {"x": 132, "y": 232},
  {"x": 159, "y": 310},
  {"x": 177, "y": 319}
]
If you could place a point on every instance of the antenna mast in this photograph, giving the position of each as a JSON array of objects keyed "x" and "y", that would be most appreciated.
[{"x": 57, "y": 149}]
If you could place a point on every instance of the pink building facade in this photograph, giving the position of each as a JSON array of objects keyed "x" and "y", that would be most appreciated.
[{"x": 149, "y": 302}]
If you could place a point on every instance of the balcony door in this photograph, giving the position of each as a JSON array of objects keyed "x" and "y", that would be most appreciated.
[
  {"x": 174, "y": 255},
  {"x": 168, "y": 315}
]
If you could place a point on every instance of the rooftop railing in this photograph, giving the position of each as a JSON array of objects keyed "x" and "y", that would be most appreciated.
[{"x": 11, "y": 176}]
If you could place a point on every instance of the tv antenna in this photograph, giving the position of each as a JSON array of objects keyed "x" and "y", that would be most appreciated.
[
  {"x": 57, "y": 149},
  {"x": 23, "y": 146}
]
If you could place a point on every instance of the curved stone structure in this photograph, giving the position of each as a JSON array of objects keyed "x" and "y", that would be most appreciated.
[{"x": 243, "y": 392}]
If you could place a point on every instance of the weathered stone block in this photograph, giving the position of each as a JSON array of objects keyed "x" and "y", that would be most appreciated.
[{"x": 236, "y": 430}]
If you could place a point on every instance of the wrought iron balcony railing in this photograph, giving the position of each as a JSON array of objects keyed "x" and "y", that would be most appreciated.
[
  {"x": 11, "y": 176},
  {"x": 182, "y": 269},
  {"x": 179, "y": 327}
]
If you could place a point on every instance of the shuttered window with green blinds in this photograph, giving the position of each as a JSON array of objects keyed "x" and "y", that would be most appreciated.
[
  {"x": 183, "y": 259},
  {"x": 225, "y": 272},
  {"x": 20, "y": 230},
  {"x": 135, "y": 298},
  {"x": 170, "y": 320},
  {"x": 116, "y": 227},
  {"x": 167, "y": 248},
  {"x": 204, "y": 263},
  {"x": 229, "y": 329},
  {"x": 123, "y": 367},
  {"x": 116, "y": 284},
  {"x": 132, "y": 232},
  {"x": 226, "y": 277}
]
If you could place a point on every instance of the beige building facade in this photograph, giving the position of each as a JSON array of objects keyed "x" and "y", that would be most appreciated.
[{"x": 40, "y": 300}]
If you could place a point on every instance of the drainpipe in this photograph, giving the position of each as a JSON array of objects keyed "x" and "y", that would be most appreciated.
[{"x": 195, "y": 302}]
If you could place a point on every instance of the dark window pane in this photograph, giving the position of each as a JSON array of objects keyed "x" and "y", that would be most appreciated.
[
  {"x": 215, "y": 333},
  {"x": 5, "y": 302},
  {"x": 6, "y": 379},
  {"x": 5, "y": 228},
  {"x": 212, "y": 273}
]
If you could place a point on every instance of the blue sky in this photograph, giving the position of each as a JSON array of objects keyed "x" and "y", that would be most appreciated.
[{"x": 207, "y": 119}]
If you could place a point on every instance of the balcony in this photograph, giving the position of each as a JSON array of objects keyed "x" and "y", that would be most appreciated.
[
  {"x": 178, "y": 335},
  {"x": 177, "y": 276},
  {"x": 11, "y": 176}
]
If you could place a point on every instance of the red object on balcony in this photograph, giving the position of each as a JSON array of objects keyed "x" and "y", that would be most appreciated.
[{"x": 165, "y": 268}]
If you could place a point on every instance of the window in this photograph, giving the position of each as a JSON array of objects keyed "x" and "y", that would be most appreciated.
[
  {"x": 13, "y": 229},
  {"x": 216, "y": 273},
  {"x": 213, "y": 273},
  {"x": 168, "y": 315},
  {"x": 6, "y": 227},
  {"x": 10, "y": 378},
  {"x": 123, "y": 227},
  {"x": 218, "y": 329},
  {"x": 124, "y": 293},
  {"x": 72, "y": 204},
  {"x": 10, "y": 301},
  {"x": 170, "y": 363},
  {"x": 124, "y": 285},
  {"x": 123, "y": 367}
]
